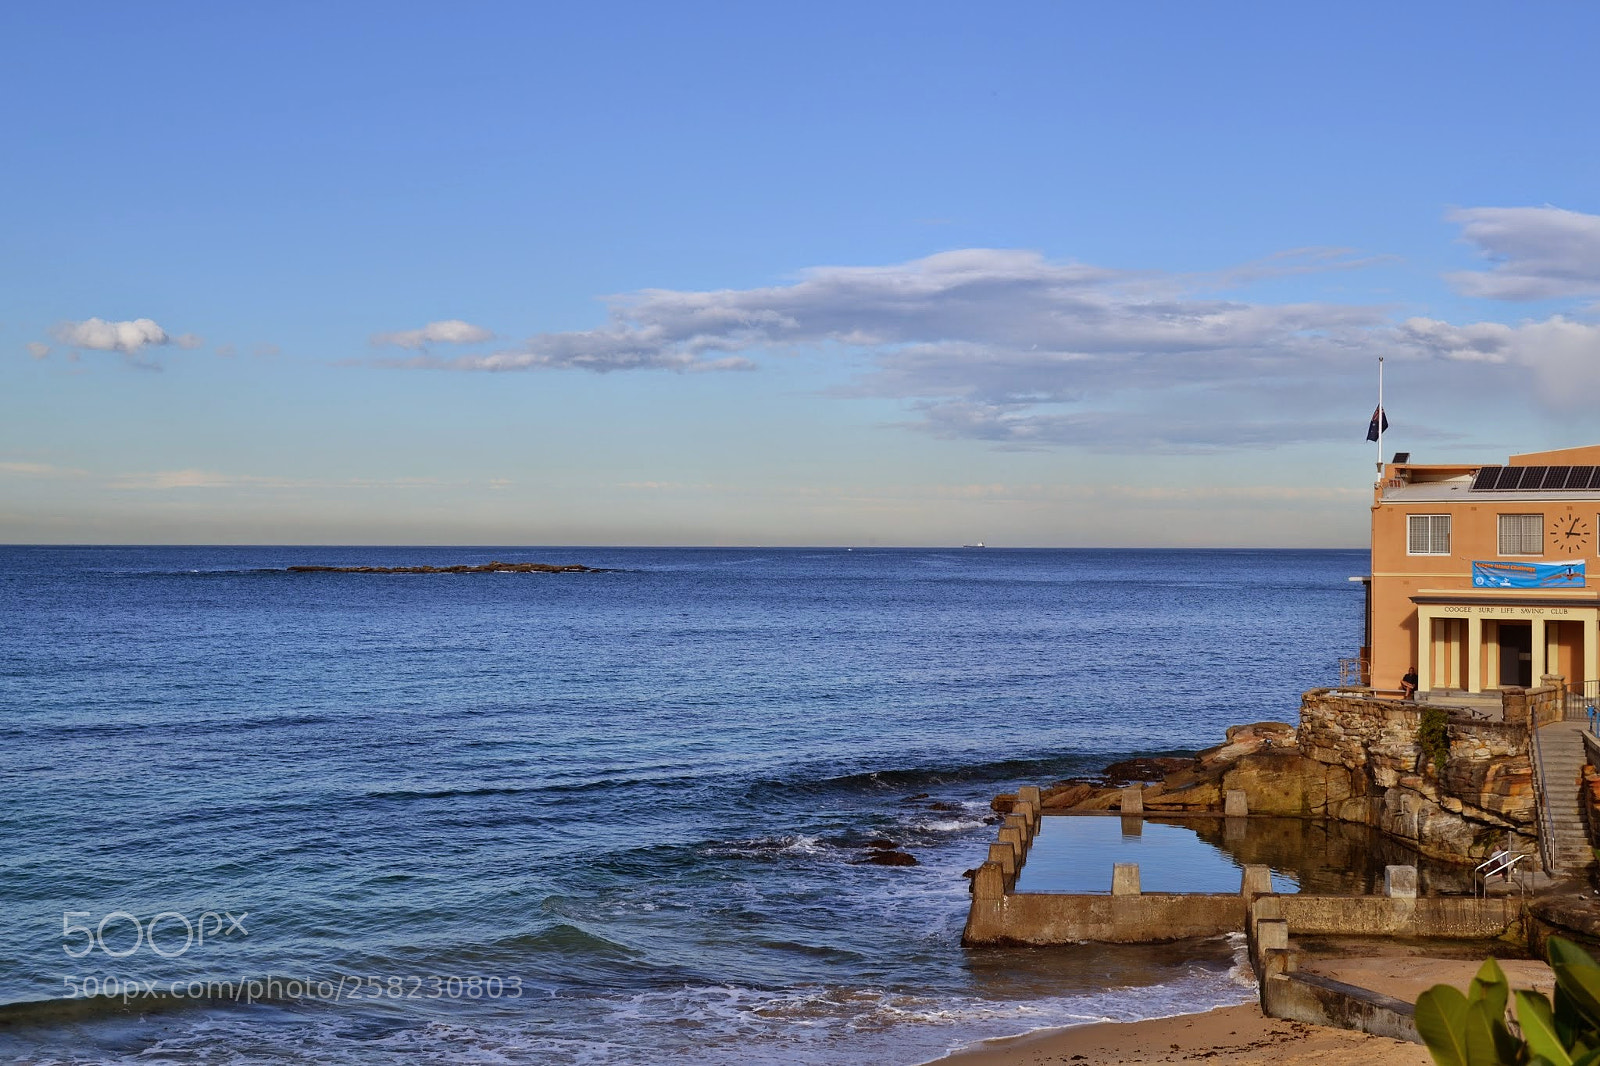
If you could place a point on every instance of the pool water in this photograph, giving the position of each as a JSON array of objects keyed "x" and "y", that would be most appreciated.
[{"x": 1075, "y": 853}]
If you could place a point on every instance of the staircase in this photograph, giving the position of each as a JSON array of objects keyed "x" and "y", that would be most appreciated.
[{"x": 1558, "y": 758}]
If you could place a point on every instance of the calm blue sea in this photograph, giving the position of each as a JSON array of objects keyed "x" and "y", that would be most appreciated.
[{"x": 588, "y": 818}]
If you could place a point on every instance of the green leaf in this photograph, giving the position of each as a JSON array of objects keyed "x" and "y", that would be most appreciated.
[
  {"x": 1570, "y": 1025},
  {"x": 1484, "y": 1044},
  {"x": 1581, "y": 984},
  {"x": 1538, "y": 1023},
  {"x": 1559, "y": 949},
  {"x": 1441, "y": 1022},
  {"x": 1491, "y": 987},
  {"x": 1588, "y": 1058}
]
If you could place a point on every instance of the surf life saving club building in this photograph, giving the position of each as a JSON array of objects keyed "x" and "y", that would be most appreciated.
[{"x": 1479, "y": 573}]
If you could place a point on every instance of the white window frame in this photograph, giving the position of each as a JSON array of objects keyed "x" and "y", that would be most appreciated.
[
  {"x": 1427, "y": 534},
  {"x": 1519, "y": 534}
]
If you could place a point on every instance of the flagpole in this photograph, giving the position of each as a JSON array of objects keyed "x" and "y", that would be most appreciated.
[{"x": 1380, "y": 416}]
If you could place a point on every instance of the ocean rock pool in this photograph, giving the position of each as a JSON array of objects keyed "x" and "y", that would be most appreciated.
[{"x": 1074, "y": 853}]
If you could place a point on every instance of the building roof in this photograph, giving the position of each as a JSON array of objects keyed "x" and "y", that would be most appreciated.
[
  {"x": 1566, "y": 475},
  {"x": 1460, "y": 490}
]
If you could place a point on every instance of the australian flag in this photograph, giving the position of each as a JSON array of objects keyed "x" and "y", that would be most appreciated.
[{"x": 1380, "y": 424}]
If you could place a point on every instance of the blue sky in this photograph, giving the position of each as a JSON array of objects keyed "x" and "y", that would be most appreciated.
[{"x": 736, "y": 274}]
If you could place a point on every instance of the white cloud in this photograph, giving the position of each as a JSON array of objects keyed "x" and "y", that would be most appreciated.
[
  {"x": 38, "y": 349},
  {"x": 164, "y": 480},
  {"x": 1562, "y": 355},
  {"x": 449, "y": 331},
  {"x": 1007, "y": 346},
  {"x": 1016, "y": 493},
  {"x": 22, "y": 468},
  {"x": 102, "y": 336},
  {"x": 1539, "y": 253},
  {"x": 1019, "y": 426},
  {"x": 996, "y": 344},
  {"x": 1004, "y": 313}
]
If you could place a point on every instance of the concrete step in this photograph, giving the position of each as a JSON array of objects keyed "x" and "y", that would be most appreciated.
[{"x": 1559, "y": 758}]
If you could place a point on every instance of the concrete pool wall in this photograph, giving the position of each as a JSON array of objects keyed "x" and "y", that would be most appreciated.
[{"x": 1001, "y": 915}]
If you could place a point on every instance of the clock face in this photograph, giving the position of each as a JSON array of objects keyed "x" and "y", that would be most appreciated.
[{"x": 1570, "y": 533}]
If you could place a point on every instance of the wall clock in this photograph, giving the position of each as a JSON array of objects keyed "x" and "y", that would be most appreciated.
[{"x": 1570, "y": 533}]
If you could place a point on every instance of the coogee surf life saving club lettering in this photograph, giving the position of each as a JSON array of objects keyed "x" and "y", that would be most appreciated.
[{"x": 1498, "y": 575}]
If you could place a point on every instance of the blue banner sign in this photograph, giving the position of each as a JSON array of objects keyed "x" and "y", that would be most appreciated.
[{"x": 1500, "y": 575}]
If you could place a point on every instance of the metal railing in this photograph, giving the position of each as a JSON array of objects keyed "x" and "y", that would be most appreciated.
[
  {"x": 1502, "y": 864},
  {"x": 1353, "y": 673},
  {"x": 1541, "y": 802},
  {"x": 1583, "y": 702}
]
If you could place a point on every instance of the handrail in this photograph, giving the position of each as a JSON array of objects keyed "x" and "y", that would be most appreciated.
[
  {"x": 1541, "y": 801},
  {"x": 1586, "y": 697},
  {"x": 1354, "y": 672},
  {"x": 1492, "y": 860},
  {"x": 1501, "y": 862}
]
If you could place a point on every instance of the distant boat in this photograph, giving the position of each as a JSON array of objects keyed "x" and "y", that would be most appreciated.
[{"x": 977, "y": 545}]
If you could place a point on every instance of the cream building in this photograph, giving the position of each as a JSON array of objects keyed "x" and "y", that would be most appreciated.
[{"x": 1479, "y": 577}]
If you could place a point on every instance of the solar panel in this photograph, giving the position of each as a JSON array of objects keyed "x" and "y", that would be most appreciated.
[
  {"x": 1536, "y": 478},
  {"x": 1510, "y": 478},
  {"x": 1485, "y": 480}
]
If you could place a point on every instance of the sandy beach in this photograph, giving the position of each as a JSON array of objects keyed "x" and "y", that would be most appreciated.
[{"x": 1244, "y": 1035}]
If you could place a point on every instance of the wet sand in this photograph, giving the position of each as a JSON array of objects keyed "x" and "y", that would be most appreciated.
[
  {"x": 1244, "y": 1035},
  {"x": 1228, "y": 1034}
]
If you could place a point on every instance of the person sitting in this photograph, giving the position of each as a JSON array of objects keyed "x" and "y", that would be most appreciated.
[{"x": 1408, "y": 685}]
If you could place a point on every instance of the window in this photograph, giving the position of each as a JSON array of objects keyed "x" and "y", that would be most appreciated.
[
  {"x": 1522, "y": 534},
  {"x": 1428, "y": 534}
]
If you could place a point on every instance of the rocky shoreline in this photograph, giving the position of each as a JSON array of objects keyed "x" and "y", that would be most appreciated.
[
  {"x": 1353, "y": 758},
  {"x": 494, "y": 567}
]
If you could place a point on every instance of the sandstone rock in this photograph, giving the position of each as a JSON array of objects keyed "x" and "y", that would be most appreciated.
[
  {"x": 1065, "y": 795},
  {"x": 1146, "y": 768},
  {"x": 1352, "y": 759},
  {"x": 1356, "y": 810},
  {"x": 1274, "y": 782},
  {"x": 1338, "y": 784},
  {"x": 1104, "y": 799},
  {"x": 1271, "y": 732}
]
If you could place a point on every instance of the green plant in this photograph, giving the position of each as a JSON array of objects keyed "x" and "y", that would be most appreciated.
[
  {"x": 1472, "y": 1029},
  {"x": 1433, "y": 737}
]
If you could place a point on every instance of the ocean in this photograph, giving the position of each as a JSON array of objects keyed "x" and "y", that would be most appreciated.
[{"x": 248, "y": 815}]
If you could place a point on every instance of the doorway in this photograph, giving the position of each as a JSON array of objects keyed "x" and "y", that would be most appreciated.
[{"x": 1516, "y": 654}]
